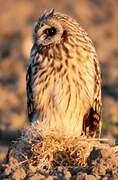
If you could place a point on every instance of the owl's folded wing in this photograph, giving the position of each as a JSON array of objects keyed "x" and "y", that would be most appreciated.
[{"x": 92, "y": 120}]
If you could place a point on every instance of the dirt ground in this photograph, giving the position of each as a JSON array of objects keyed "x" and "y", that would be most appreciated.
[{"x": 98, "y": 17}]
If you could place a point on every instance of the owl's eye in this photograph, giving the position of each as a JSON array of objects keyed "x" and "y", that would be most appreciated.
[{"x": 50, "y": 31}]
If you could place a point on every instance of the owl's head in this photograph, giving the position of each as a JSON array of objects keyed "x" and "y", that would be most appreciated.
[{"x": 49, "y": 29}]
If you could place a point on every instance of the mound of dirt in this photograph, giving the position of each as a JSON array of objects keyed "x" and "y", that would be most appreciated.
[{"x": 46, "y": 156}]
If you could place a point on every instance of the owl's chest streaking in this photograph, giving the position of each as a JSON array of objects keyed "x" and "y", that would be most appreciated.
[{"x": 63, "y": 88}]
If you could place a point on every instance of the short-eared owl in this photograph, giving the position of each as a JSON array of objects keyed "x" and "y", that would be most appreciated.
[{"x": 63, "y": 77}]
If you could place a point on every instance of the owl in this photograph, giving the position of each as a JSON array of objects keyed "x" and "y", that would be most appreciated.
[{"x": 63, "y": 78}]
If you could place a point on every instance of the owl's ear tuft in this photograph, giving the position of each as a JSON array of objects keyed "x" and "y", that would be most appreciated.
[
  {"x": 51, "y": 12},
  {"x": 47, "y": 14}
]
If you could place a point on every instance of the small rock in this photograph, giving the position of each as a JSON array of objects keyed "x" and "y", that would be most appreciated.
[
  {"x": 81, "y": 176},
  {"x": 19, "y": 174},
  {"x": 37, "y": 177},
  {"x": 89, "y": 177},
  {"x": 67, "y": 174},
  {"x": 101, "y": 170},
  {"x": 60, "y": 168},
  {"x": 105, "y": 152}
]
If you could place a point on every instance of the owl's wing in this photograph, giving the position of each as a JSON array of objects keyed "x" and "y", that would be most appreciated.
[
  {"x": 30, "y": 104},
  {"x": 30, "y": 101},
  {"x": 92, "y": 121}
]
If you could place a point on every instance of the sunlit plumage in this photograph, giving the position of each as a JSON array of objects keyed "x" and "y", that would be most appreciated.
[{"x": 63, "y": 78}]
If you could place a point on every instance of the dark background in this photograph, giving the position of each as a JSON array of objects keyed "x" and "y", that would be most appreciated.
[{"x": 17, "y": 17}]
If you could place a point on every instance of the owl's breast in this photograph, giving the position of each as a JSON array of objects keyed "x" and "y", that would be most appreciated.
[{"x": 63, "y": 97}]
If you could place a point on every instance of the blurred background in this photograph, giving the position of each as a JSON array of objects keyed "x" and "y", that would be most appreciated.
[{"x": 17, "y": 17}]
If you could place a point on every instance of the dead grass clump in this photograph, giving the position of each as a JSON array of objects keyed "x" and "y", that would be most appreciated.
[{"x": 40, "y": 154}]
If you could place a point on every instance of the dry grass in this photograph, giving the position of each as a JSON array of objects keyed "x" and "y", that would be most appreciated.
[{"x": 42, "y": 153}]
